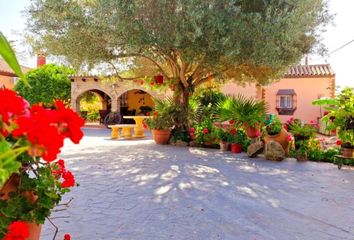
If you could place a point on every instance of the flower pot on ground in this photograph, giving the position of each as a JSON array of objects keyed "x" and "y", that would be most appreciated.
[
  {"x": 236, "y": 147},
  {"x": 276, "y": 132},
  {"x": 162, "y": 120},
  {"x": 238, "y": 140},
  {"x": 161, "y": 136},
  {"x": 252, "y": 132}
]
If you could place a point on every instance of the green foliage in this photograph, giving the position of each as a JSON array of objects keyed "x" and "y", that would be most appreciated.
[
  {"x": 8, "y": 163},
  {"x": 301, "y": 131},
  {"x": 165, "y": 115},
  {"x": 341, "y": 115},
  {"x": 89, "y": 103},
  {"x": 7, "y": 53},
  {"x": 275, "y": 126},
  {"x": 243, "y": 110},
  {"x": 206, "y": 132},
  {"x": 48, "y": 83}
]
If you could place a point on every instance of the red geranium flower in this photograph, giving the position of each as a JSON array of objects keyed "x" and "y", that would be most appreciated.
[
  {"x": 69, "y": 180},
  {"x": 192, "y": 130},
  {"x": 205, "y": 131},
  {"x": 233, "y": 131},
  {"x": 11, "y": 104},
  {"x": 67, "y": 237},
  {"x": 232, "y": 122},
  {"x": 69, "y": 122},
  {"x": 339, "y": 142},
  {"x": 60, "y": 167},
  {"x": 156, "y": 114},
  {"x": 17, "y": 231}
]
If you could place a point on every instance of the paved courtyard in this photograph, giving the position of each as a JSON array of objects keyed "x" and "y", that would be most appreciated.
[{"x": 136, "y": 190}]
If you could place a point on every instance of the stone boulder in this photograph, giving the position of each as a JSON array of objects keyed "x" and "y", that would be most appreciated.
[
  {"x": 254, "y": 149},
  {"x": 274, "y": 151}
]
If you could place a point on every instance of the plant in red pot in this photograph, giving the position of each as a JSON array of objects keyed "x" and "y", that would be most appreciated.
[
  {"x": 162, "y": 120},
  {"x": 238, "y": 140},
  {"x": 32, "y": 180}
]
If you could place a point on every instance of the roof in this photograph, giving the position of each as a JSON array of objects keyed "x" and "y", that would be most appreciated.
[
  {"x": 5, "y": 69},
  {"x": 319, "y": 70}
]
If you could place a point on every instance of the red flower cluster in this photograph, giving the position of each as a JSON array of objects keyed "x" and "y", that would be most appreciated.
[
  {"x": 60, "y": 171},
  {"x": 205, "y": 131},
  {"x": 233, "y": 131},
  {"x": 232, "y": 122},
  {"x": 69, "y": 180},
  {"x": 44, "y": 129},
  {"x": 156, "y": 114},
  {"x": 339, "y": 142},
  {"x": 17, "y": 231}
]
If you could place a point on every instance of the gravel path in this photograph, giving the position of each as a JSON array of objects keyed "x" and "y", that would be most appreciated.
[{"x": 136, "y": 190}]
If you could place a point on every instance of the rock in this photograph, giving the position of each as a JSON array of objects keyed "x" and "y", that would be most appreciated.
[
  {"x": 254, "y": 149},
  {"x": 274, "y": 151}
]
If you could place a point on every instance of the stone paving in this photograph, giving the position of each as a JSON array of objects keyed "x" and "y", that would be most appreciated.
[{"x": 136, "y": 190}]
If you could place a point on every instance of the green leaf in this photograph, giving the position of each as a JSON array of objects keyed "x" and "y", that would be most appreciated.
[
  {"x": 8, "y": 163},
  {"x": 9, "y": 56}
]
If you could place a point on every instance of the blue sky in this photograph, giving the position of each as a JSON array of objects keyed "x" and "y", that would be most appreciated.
[{"x": 341, "y": 33}]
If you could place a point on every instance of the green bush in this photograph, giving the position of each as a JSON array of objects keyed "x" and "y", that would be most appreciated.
[{"x": 47, "y": 83}]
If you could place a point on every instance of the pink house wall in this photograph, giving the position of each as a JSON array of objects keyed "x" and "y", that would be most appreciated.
[
  {"x": 233, "y": 89},
  {"x": 307, "y": 90}
]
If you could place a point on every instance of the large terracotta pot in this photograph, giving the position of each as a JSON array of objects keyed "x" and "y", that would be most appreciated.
[
  {"x": 11, "y": 186},
  {"x": 161, "y": 136},
  {"x": 347, "y": 152},
  {"x": 236, "y": 147},
  {"x": 281, "y": 137}
]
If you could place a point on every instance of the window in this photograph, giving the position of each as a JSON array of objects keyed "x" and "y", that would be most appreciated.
[{"x": 286, "y": 101}]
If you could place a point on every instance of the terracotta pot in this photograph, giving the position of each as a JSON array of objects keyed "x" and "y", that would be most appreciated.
[
  {"x": 236, "y": 147},
  {"x": 11, "y": 186},
  {"x": 347, "y": 152},
  {"x": 252, "y": 132},
  {"x": 281, "y": 137},
  {"x": 224, "y": 146},
  {"x": 161, "y": 136}
]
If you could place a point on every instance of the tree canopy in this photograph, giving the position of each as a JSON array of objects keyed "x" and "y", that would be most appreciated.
[
  {"x": 187, "y": 41},
  {"x": 46, "y": 84}
]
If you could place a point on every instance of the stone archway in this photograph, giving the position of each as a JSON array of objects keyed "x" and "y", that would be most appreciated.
[{"x": 81, "y": 84}]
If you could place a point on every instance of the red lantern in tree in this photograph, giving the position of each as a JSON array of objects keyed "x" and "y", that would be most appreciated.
[{"x": 159, "y": 79}]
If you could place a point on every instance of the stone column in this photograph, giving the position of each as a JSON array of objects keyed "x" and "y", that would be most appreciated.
[{"x": 114, "y": 106}]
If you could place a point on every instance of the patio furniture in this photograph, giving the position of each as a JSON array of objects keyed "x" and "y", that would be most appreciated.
[
  {"x": 139, "y": 129},
  {"x": 126, "y": 130}
]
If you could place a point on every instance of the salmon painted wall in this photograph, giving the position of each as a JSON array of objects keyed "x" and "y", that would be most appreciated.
[
  {"x": 232, "y": 89},
  {"x": 135, "y": 101},
  {"x": 307, "y": 90},
  {"x": 8, "y": 82}
]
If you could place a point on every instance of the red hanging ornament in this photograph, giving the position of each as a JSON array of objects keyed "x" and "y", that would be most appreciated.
[{"x": 159, "y": 79}]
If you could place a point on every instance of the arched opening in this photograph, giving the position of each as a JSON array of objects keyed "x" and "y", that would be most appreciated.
[
  {"x": 135, "y": 102},
  {"x": 94, "y": 105}
]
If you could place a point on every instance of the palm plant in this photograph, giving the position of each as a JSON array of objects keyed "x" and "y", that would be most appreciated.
[{"x": 244, "y": 111}]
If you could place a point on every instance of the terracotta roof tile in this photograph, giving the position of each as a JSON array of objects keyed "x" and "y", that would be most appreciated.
[
  {"x": 7, "y": 71},
  {"x": 320, "y": 70}
]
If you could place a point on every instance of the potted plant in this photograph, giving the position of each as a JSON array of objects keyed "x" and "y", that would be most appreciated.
[
  {"x": 161, "y": 121},
  {"x": 276, "y": 132},
  {"x": 247, "y": 112},
  {"x": 32, "y": 180},
  {"x": 341, "y": 118},
  {"x": 237, "y": 139}
]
